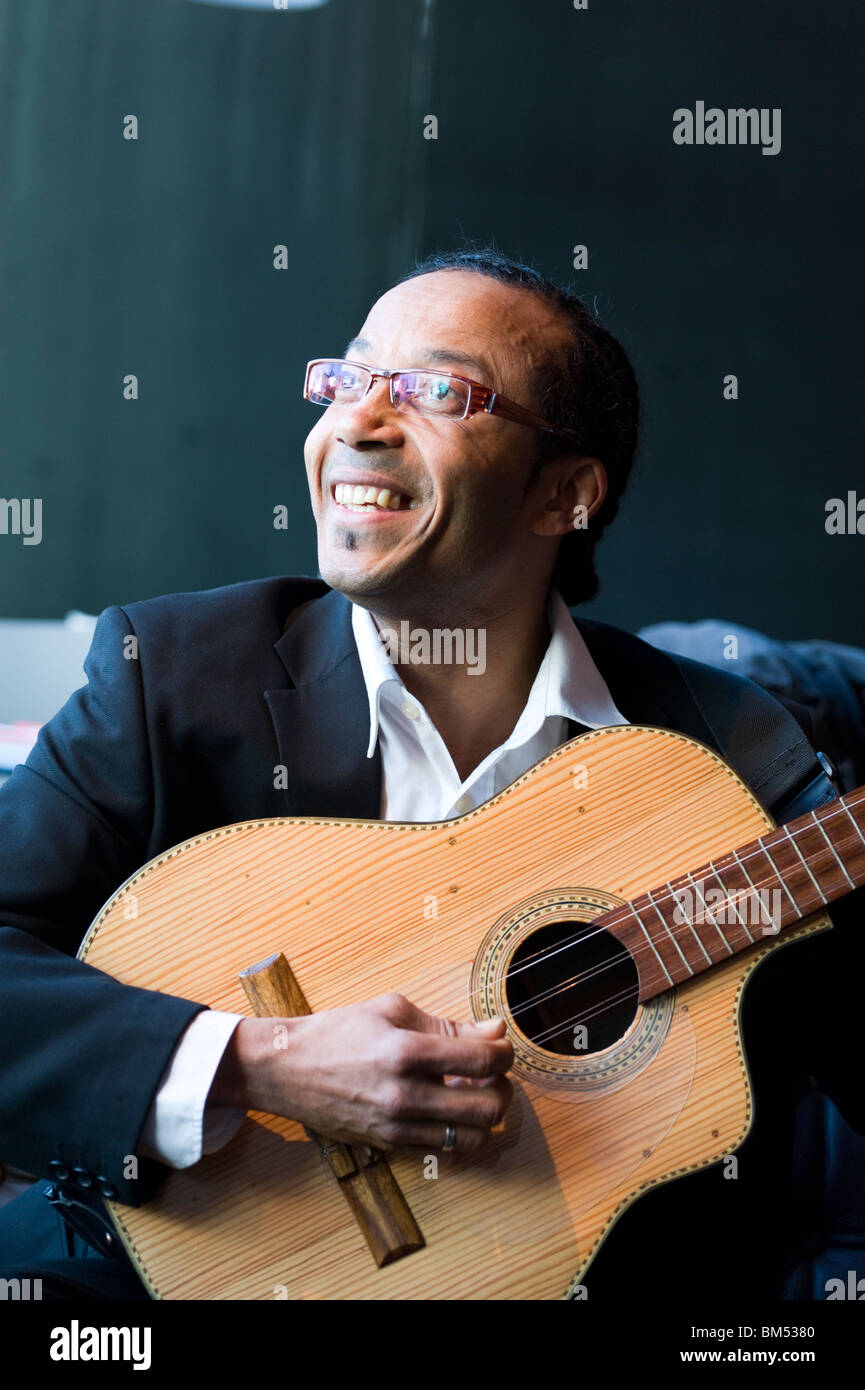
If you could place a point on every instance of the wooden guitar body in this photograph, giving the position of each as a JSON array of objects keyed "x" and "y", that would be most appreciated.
[{"x": 437, "y": 912}]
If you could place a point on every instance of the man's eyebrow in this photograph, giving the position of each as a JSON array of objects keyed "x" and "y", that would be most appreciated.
[
  {"x": 427, "y": 356},
  {"x": 447, "y": 355},
  {"x": 357, "y": 345}
]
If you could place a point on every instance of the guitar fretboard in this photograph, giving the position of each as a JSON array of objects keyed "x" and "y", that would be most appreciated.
[{"x": 699, "y": 919}]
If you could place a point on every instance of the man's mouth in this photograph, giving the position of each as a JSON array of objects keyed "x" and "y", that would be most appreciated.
[{"x": 359, "y": 497}]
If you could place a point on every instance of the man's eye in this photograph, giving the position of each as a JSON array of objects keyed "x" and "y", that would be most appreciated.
[
  {"x": 439, "y": 388},
  {"x": 344, "y": 385}
]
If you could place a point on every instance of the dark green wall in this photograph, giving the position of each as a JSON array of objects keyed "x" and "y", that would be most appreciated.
[{"x": 154, "y": 257}]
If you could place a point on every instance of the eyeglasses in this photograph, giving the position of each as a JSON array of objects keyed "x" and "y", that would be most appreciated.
[{"x": 332, "y": 381}]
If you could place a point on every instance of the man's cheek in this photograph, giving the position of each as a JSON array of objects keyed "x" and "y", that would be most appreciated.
[{"x": 315, "y": 444}]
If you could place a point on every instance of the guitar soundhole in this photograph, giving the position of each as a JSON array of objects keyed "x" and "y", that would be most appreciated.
[{"x": 571, "y": 988}]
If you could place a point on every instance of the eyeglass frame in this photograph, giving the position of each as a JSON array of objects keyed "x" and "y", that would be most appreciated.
[{"x": 479, "y": 397}]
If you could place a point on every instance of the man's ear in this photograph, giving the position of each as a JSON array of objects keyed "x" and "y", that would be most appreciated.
[{"x": 570, "y": 496}]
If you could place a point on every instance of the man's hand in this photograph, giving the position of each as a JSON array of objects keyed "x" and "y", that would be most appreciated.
[{"x": 373, "y": 1073}]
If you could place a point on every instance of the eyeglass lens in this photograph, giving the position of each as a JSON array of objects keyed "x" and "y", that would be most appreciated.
[{"x": 432, "y": 393}]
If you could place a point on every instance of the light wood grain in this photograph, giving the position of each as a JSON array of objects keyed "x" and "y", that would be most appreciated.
[
  {"x": 364, "y": 1178},
  {"x": 361, "y": 908}
]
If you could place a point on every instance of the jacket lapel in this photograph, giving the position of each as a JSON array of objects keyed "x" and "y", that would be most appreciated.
[
  {"x": 322, "y": 721},
  {"x": 322, "y": 724},
  {"x": 646, "y": 684}
]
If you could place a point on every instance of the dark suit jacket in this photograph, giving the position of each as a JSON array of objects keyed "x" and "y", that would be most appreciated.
[{"x": 183, "y": 735}]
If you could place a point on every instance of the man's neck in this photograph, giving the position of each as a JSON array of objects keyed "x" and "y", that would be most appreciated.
[{"x": 473, "y": 704}]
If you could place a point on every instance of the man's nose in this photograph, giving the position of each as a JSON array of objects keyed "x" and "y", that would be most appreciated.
[{"x": 371, "y": 420}]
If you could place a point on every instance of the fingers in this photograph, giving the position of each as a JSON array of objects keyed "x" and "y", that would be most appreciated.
[
  {"x": 435, "y": 1046},
  {"x": 429, "y": 1138},
  {"x": 387, "y": 1074},
  {"x": 410, "y": 1016},
  {"x": 479, "y": 1107},
  {"x": 470, "y": 1056},
  {"x": 416, "y": 1113},
  {"x": 404, "y": 1014}
]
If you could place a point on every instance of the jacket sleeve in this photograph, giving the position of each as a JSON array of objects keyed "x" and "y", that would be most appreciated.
[{"x": 81, "y": 1055}]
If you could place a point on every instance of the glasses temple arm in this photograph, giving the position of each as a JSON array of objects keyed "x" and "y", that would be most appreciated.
[{"x": 509, "y": 410}]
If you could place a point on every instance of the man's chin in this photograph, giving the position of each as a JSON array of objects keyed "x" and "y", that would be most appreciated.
[{"x": 356, "y": 580}]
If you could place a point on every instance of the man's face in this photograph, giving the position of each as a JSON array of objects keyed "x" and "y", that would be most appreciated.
[{"x": 464, "y": 518}]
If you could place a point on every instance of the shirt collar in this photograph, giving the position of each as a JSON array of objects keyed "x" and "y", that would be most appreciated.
[{"x": 568, "y": 683}]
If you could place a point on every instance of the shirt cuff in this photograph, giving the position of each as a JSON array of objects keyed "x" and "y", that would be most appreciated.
[{"x": 180, "y": 1126}]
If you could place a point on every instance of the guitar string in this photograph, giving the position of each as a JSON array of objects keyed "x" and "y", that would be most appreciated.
[
  {"x": 661, "y": 897},
  {"x": 629, "y": 993},
  {"x": 579, "y": 1020},
  {"x": 606, "y": 1005}
]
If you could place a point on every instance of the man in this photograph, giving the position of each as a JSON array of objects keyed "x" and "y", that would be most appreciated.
[{"x": 437, "y": 501}]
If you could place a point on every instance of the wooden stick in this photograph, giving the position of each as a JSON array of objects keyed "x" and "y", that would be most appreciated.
[{"x": 364, "y": 1175}]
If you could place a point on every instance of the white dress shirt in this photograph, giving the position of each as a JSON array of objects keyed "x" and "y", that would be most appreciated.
[{"x": 419, "y": 783}]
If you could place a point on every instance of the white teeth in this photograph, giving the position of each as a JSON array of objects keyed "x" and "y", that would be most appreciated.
[{"x": 360, "y": 498}]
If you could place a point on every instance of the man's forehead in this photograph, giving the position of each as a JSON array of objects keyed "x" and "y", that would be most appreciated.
[
  {"x": 424, "y": 355},
  {"x": 459, "y": 319}
]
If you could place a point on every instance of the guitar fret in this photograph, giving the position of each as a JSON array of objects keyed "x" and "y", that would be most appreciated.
[
  {"x": 744, "y": 870},
  {"x": 754, "y": 888},
  {"x": 853, "y": 820},
  {"x": 671, "y": 934},
  {"x": 791, "y": 840},
  {"x": 832, "y": 848},
  {"x": 781, "y": 879},
  {"x": 710, "y": 917},
  {"x": 778, "y": 878},
  {"x": 635, "y": 913},
  {"x": 731, "y": 899},
  {"x": 696, "y": 935}
]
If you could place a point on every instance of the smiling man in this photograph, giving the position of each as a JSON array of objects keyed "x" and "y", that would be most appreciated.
[
  {"x": 472, "y": 445},
  {"x": 475, "y": 537}
]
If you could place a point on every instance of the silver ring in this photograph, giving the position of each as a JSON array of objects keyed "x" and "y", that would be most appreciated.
[{"x": 450, "y": 1138}]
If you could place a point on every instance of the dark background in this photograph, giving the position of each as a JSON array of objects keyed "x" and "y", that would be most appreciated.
[{"x": 155, "y": 257}]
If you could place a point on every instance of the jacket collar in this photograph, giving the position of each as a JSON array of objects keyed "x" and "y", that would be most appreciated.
[
  {"x": 643, "y": 681},
  {"x": 322, "y": 722}
]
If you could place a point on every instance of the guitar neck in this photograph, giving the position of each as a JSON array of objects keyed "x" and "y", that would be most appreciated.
[{"x": 703, "y": 917}]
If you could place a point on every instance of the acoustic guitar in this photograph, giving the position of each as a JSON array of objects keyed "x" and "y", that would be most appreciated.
[{"x": 610, "y": 905}]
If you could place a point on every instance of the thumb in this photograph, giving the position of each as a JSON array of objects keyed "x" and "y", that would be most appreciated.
[
  {"x": 485, "y": 1027},
  {"x": 491, "y": 1028}
]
